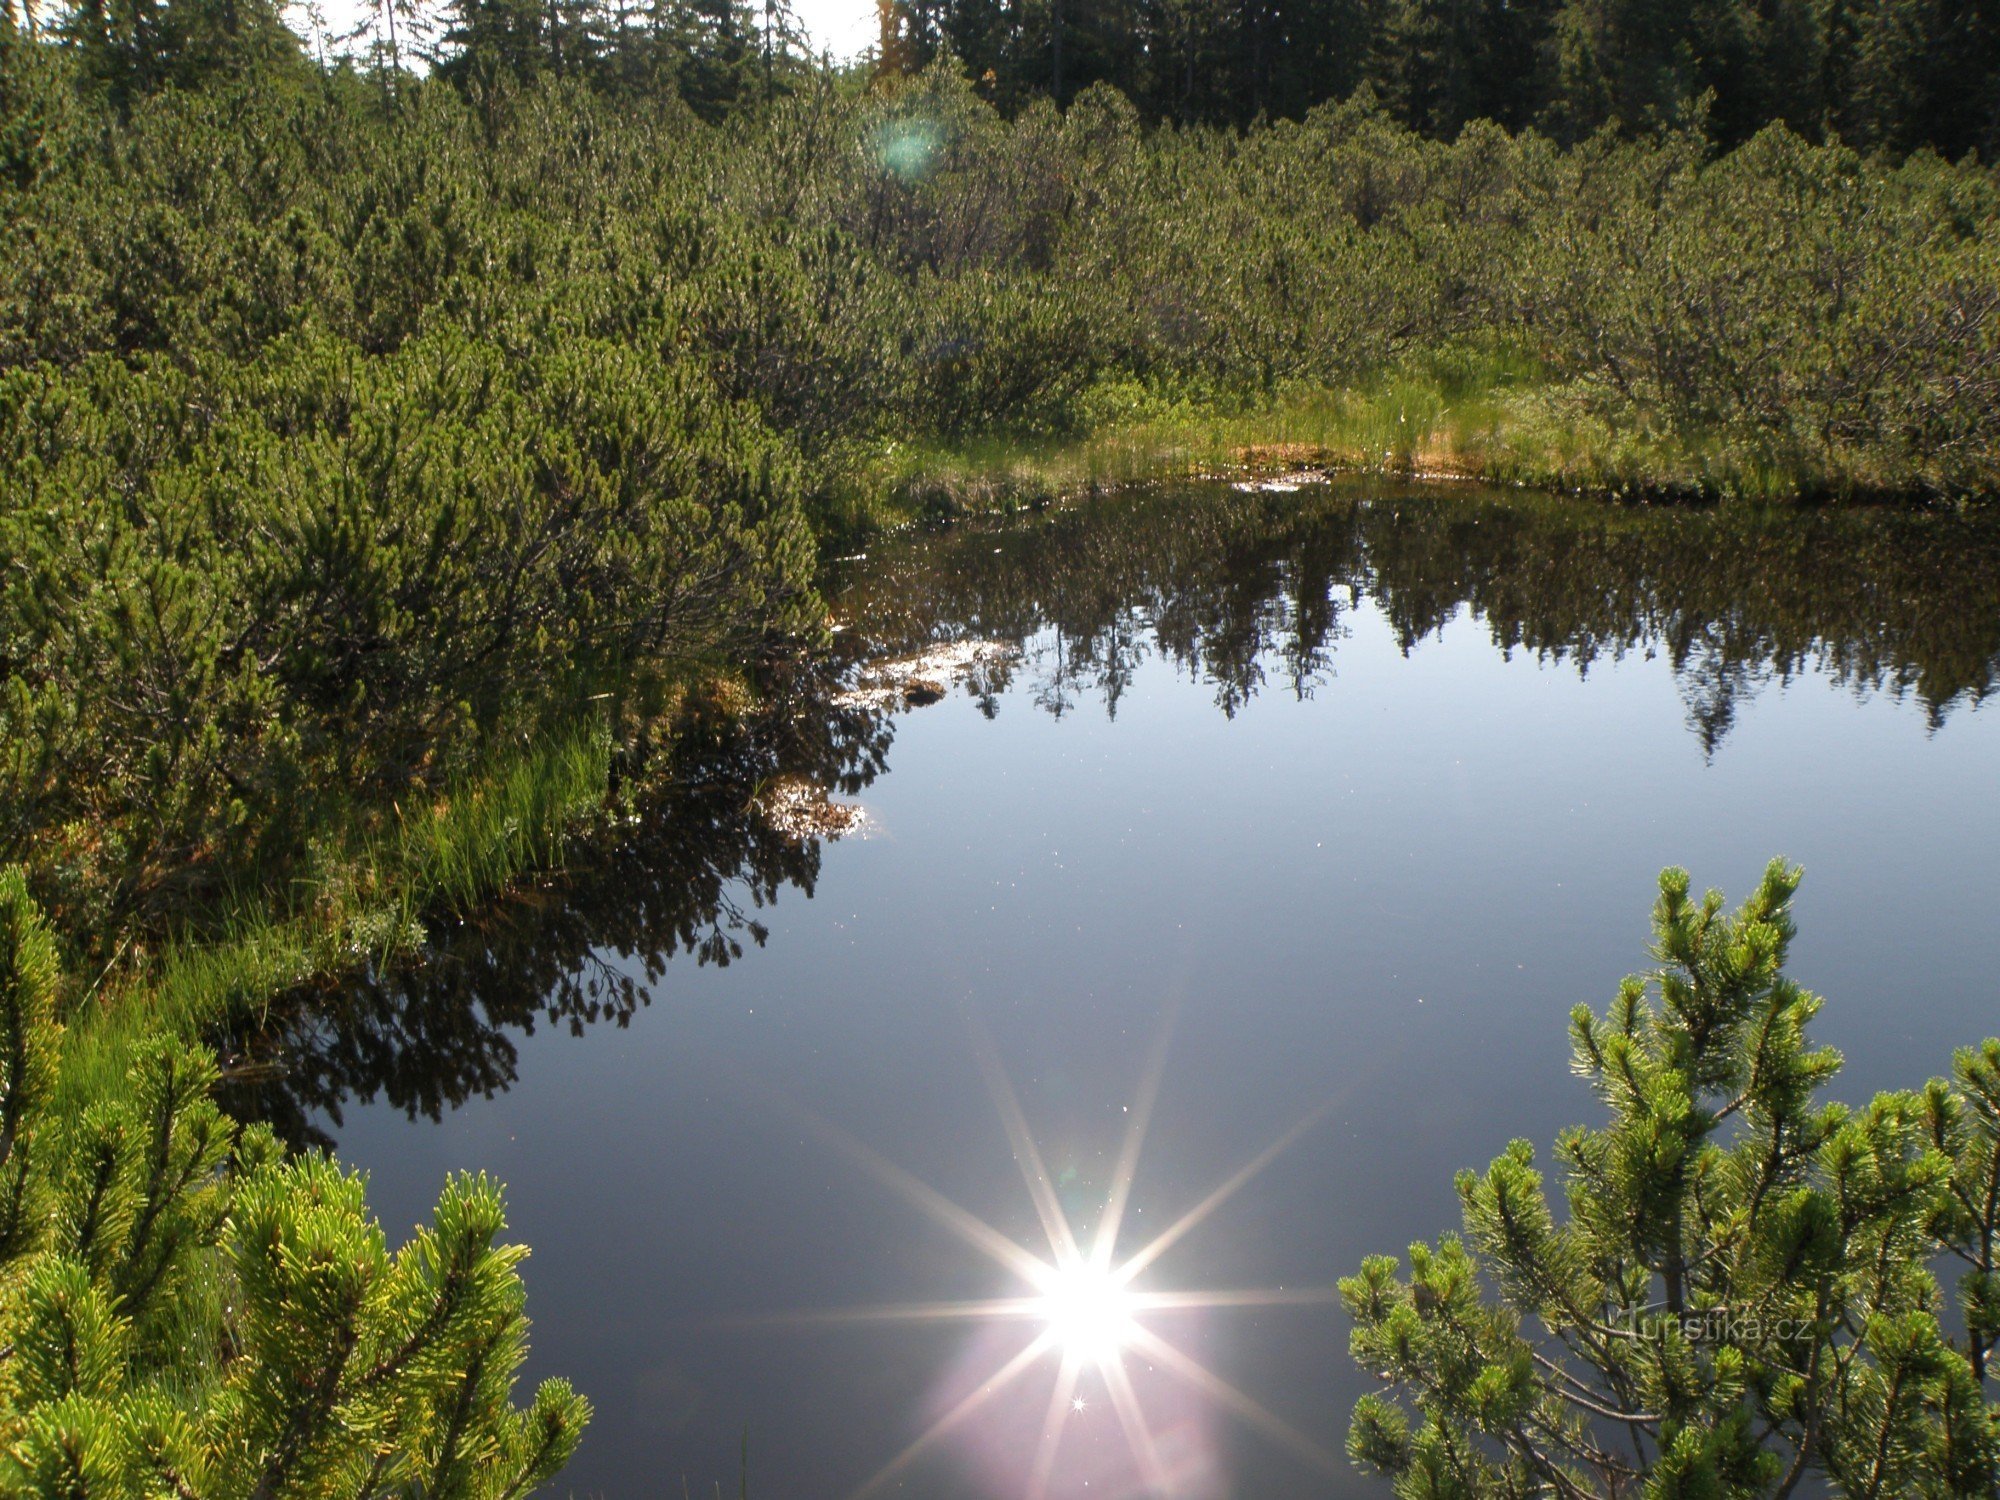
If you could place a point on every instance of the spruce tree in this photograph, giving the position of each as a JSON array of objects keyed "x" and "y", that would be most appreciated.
[
  {"x": 132, "y": 48},
  {"x": 721, "y": 55},
  {"x": 1741, "y": 1296}
]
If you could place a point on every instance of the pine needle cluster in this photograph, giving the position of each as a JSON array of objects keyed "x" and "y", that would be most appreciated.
[
  {"x": 1743, "y": 1296},
  {"x": 185, "y": 1312}
]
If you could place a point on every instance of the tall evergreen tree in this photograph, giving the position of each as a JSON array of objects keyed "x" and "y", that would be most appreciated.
[
  {"x": 484, "y": 43},
  {"x": 1438, "y": 52},
  {"x": 721, "y": 65},
  {"x": 131, "y": 48},
  {"x": 1905, "y": 73}
]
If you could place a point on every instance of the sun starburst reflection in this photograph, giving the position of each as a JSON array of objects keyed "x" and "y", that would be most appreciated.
[
  {"x": 1084, "y": 1306},
  {"x": 1087, "y": 1311}
]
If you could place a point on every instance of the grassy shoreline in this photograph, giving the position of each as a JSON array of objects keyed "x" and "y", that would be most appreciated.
[
  {"x": 1490, "y": 424},
  {"x": 369, "y": 905},
  {"x": 358, "y": 428},
  {"x": 471, "y": 845},
  {"x": 372, "y": 896}
]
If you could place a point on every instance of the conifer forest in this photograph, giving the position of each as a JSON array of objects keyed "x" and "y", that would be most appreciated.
[{"x": 974, "y": 711}]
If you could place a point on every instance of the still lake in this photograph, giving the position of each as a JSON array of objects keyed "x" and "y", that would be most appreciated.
[{"x": 1355, "y": 788}]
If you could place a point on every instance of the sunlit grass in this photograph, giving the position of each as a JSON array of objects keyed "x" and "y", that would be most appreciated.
[
  {"x": 364, "y": 901},
  {"x": 1486, "y": 414}
]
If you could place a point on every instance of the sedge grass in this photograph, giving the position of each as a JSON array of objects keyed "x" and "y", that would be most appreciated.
[
  {"x": 363, "y": 904},
  {"x": 1485, "y": 415}
]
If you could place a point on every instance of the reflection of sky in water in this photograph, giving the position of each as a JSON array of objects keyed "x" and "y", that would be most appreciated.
[
  {"x": 1091, "y": 1306},
  {"x": 1388, "y": 894}
]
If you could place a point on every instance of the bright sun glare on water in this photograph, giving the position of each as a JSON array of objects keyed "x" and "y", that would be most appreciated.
[
  {"x": 1088, "y": 1311},
  {"x": 1081, "y": 1299}
]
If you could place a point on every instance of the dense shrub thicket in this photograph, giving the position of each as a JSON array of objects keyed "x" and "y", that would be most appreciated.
[
  {"x": 346, "y": 432},
  {"x": 1743, "y": 1297}
]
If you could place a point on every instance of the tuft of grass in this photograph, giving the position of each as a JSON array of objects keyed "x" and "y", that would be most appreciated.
[
  {"x": 363, "y": 904},
  {"x": 1486, "y": 413}
]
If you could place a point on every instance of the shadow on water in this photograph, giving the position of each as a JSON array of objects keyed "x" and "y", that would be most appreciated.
[
  {"x": 1246, "y": 592},
  {"x": 685, "y": 876}
]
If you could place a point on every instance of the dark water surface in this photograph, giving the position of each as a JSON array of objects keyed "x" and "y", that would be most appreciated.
[{"x": 1364, "y": 787}]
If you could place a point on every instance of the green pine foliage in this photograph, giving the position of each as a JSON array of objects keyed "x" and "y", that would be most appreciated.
[
  {"x": 1742, "y": 1290},
  {"x": 1895, "y": 74},
  {"x": 184, "y": 1312},
  {"x": 382, "y": 457},
  {"x": 248, "y": 600},
  {"x": 354, "y": 438}
]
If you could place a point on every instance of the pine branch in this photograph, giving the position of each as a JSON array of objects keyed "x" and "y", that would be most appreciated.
[{"x": 1581, "y": 1395}]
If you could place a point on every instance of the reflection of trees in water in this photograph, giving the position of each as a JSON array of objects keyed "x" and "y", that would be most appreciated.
[
  {"x": 688, "y": 876},
  {"x": 1239, "y": 589},
  {"x": 1208, "y": 579},
  {"x": 1240, "y": 592}
]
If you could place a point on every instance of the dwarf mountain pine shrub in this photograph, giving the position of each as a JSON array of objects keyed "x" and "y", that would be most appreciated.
[
  {"x": 1742, "y": 1297},
  {"x": 184, "y": 1312}
]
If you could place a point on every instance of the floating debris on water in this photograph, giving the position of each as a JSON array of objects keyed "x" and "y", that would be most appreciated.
[
  {"x": 1280, "y": 484},
  {"x": 927, "y": 676},
  {"x": 800, "y": 809}
]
